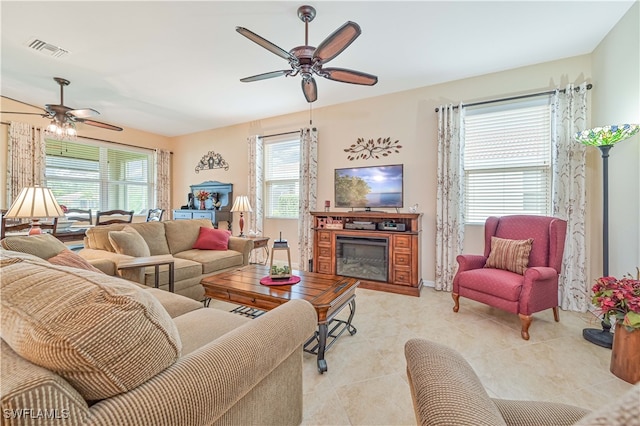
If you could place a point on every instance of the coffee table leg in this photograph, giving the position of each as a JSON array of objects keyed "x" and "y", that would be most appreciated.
[{"x": 322, "y": 343}]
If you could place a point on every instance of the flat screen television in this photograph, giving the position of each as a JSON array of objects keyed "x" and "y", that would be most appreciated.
[{"x": 369, "y": 187}]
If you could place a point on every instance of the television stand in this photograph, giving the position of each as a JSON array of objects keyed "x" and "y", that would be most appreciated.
[{"x": 399, "y": 258}]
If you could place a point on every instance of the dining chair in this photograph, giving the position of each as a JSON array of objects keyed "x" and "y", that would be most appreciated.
[
  {"x": 108, "y": 217},
  {"x": 155, "y": 215},
  {"x": 80, "y": 215},
  {"x": 519, "y": 269}
]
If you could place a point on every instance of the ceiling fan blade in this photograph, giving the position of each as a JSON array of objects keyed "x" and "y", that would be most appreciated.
[
  {"x": 24, "y": 113},
  {"x": 349, "y": 76},
  {"x": 266, "y": 44},
  {"x": 99, "y": 124},
  {"x": 266, "y": 75},
  {"x": 83, "y": 113},
  {"x": 310, "y": 89},
  {"x": 339, "y": 40}
]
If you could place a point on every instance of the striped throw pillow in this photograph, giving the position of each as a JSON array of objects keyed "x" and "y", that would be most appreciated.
[{"x": 510, "y": 255}]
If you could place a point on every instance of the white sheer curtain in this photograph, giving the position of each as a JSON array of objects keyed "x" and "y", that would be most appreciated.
[
  {"x": 163, "y": 181},
  {"x": 308, "y": 190},
  {"x": 569, "y": 115},
  {"x": 449, "y": 202},
  {"x": 26, "y": 158},
  {"x": 256, "y": 188}
]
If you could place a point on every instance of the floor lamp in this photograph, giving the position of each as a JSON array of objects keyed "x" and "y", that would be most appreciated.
[{"x": 604, "y": 138}]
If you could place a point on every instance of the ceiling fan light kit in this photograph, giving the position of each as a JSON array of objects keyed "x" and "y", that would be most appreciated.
[
  {"x": 64, "y": 118},
  {"x": 308, "y": 61}
]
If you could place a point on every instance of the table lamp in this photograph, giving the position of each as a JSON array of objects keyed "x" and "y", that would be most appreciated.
[
  {"x": 241, "y": 204},
  {"x": 34, "y": 203}
]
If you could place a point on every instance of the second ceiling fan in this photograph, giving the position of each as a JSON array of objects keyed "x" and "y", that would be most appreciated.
[{"x": 308, "y": 60}]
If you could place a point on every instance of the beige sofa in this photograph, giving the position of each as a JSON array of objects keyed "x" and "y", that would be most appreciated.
[
  {"x": 83, "y": 347},
  {"x": 175, "y": 237},
  {"x": 446, "y": 391}
]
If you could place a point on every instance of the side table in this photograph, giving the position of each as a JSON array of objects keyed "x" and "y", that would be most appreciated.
[
  {"x": 156, "y": 262},
  {"x": 263, "y": 243}
]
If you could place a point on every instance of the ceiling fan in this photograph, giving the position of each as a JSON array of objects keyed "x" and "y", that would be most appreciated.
[
  {"x": 308, "y": 60},
  {"x": 64, "y": 117}
]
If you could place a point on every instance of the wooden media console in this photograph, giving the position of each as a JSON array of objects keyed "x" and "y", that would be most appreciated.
[{"x": 381, "y": 249}]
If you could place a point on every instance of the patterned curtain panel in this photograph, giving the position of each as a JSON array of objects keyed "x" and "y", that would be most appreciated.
[
  {"x": 308, "y": 189},
  {"x": 163, "y": 180},
  {"x": 449, "y": 201},
  {"x": 569, "y": 114},
  {"x": 26, "y": 158},
  {"x": 256, "y": 188}
]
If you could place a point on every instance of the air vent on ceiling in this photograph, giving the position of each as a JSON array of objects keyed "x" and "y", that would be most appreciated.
[{"x": 46, "y": 48}]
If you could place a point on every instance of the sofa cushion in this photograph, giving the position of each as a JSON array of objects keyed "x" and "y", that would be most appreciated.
[
  {"x": 182, "y": 234},
  {"x": 212, "y": 260},
  {"x": 102, "y": 334},
  {"x": 510, "y": 255},
  {"x": 68, "y": 258},
  {"x": 129, "y": 242},
  {"x": 44, "y": 246},
  {"x": 193, "y": 335},
  {"x": 183, "y": 269},
  {"x": 212, "y": 239},
  {"x": 154, "y": 235},
  {"x": 175, "y": 304},
  {"x": 98, "y": 237}
]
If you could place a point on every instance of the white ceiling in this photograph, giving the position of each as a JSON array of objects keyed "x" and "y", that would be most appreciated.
[{"x": 173, "y": 67}]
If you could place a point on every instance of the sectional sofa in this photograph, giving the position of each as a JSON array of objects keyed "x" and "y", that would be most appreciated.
[
  {"x": 82, "y": 347},
  {"x": 117, "y": 242}
]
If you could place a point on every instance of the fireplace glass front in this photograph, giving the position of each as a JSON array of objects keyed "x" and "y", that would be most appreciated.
[{"x": 362, "y": 257}]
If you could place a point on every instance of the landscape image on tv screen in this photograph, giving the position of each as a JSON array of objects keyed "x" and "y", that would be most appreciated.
[{"x": 369, "y": 187}]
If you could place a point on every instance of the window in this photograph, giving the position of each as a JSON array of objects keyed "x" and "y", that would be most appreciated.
[
  {"x": 281, "y": 178},
  {"x": 86, "y": 175},
  {"x": 507, "y": 160}
]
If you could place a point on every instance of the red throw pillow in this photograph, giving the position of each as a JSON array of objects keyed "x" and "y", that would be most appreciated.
[{"x": 212, "y": 239}]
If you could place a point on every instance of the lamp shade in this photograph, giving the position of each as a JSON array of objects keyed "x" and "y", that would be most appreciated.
[
  {"x": 35, "y": 202},
  {"x": 241, "y": 204}
]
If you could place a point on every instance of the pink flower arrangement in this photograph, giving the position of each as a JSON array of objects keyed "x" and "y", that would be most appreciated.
[
  {"x": 202, "y": 195},
  {"x": 620, "y": 299}
]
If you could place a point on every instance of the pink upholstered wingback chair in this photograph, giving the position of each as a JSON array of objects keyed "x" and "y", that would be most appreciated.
[{"x": 535, "y": 290}]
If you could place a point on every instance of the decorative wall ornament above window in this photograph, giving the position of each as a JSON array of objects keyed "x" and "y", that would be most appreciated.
[
  {"x": 372, "y": 149},
  {"x": 212, "y": 161}
]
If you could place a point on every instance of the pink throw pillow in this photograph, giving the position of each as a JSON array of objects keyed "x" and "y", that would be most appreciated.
[
  {"x": 212, "y": 239},
  {"x": 68, "y": 258}
]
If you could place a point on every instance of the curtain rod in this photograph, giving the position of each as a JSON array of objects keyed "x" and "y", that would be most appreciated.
[
  {"x": 513, "y": 98},
  {"x": 105, "y": 140},
  {"x": 297, "y": 132}
]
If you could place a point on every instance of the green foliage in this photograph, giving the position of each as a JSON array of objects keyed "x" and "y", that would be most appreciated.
[
  {"x": 287, "y": 206},
  {"x": 351, "y": 191}
]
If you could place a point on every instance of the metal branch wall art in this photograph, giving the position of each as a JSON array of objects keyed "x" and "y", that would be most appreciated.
[
  {"x": 212, "y": 161},
  {"x": 372, "y": 149}
]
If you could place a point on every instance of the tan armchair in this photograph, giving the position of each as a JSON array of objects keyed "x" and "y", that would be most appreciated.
[{"x": 446, "y": 391}]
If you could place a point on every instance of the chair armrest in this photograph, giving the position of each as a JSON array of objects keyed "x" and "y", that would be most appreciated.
[
  {"x": 445, "y": 387},
  {"x": 470, "y": 261},
  {"x": 538, "y": 412},
  {"x": 539, "y": 273},
  {"x": 201, "y": 386},
  {"x": 242, "y": 245}
]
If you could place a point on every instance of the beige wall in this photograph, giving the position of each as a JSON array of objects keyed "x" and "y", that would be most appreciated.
[
  {"x": 616, "y": 99},
  {"x": 127, "y": 136},
  {"x": 406, "y": 116}
]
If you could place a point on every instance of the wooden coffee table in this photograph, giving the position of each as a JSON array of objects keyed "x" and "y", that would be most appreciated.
[{"x": 328, "y": 294}]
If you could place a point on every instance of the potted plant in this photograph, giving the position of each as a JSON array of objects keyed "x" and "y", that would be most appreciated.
[{"x": 619, "y": 300}]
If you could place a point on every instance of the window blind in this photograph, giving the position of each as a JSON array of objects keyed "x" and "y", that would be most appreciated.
[
  {"x": 281, "y": 177},
  {"x": 507, "y": 162},
  {"x": 99, "y": 177}
]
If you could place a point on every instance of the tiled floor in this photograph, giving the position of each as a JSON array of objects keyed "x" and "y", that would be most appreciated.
[{"x": 366, "y": 382}]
